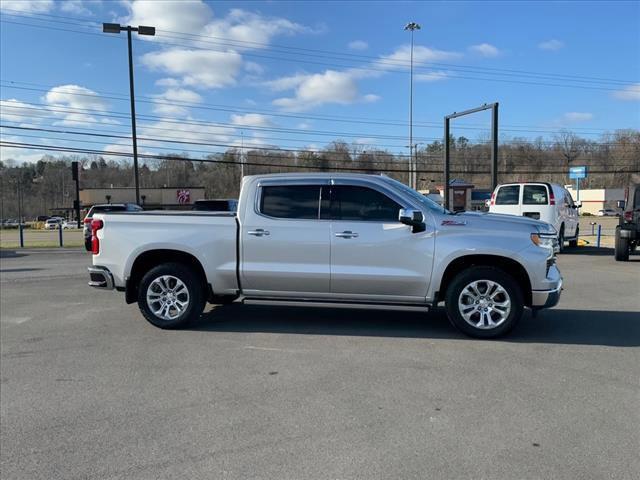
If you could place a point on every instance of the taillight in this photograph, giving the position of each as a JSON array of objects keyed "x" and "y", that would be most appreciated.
[
  {"x": 628, "y": 216},
  {"x": 493, "y": 198},
  {"x": 95, "y": 241},
  {"x": 87, "y": 220},
  {"x": 552, "y": 199}
]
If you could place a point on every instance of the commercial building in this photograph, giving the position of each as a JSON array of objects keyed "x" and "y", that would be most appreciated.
[
  {"x": 165, "y": 197},
  {"x": 594, "y": 199}
]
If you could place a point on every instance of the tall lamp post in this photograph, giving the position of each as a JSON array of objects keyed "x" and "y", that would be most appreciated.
[
  {"x": 412, "y": 26},
  {"x": 142, "y": 30}
]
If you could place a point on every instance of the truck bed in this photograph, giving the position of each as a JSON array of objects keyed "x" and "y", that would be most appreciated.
[{"x": 210, "y": 237}]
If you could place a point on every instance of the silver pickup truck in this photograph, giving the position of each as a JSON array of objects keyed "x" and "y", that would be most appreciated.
[{"x": 348, "y": 240}]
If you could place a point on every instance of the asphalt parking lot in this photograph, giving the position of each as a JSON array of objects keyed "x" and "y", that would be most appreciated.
[{"x": 91, "y": 390}]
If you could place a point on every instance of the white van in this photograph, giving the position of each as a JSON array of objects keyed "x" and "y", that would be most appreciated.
[{"x": 548, "y": 202}]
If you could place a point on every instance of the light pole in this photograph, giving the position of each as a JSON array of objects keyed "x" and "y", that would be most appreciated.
[
  {"x": 412, "y": 26},
  {"x": 142, "y": 30}
]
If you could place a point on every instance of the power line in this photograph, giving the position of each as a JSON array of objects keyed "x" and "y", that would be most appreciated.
[
  {"x": 235, "y": 109},
  {"x": 325, "y": 64},
  {"x": 330, "y": 54}
]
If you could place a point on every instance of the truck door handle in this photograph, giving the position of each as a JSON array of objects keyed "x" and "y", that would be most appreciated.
[
  {"x": 346, "y": 234},
  {"x": 258, "y": 232}
]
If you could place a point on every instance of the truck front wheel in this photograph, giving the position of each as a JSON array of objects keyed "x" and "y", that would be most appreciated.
[
  {"x": 171, "y": 295},
  {"x": 484, "y": 302}
]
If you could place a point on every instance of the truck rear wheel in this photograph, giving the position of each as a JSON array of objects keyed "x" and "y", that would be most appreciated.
[
  {"x": 621, "y": 247},
  {"x": 171, "y": 295},
  {"x": 484, "y": 302}
]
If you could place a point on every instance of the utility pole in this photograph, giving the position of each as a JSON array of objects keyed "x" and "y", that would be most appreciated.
[
  {"x": 241, "y": 155},
  {"x": 412, "y": 26},
  {"x": 142, "y": 30}
]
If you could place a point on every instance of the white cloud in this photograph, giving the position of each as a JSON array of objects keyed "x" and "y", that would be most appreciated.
[
  {"x": 286, "y": 83},
  {"x": 253, "y": 68},
  {"x": 551, "y": 45},
  {"x": 203, "y": 63},
  {"x": 27, "y": 6},
  {"x": 434, "y": 76},
  {"x": 257, "y": 31},
  {"x": 358, "y": 45},
  {"x": 168, "y": 82},
  {"x": 630, "y": 93},
  {"x": 198, "y": 68},
  {"x": 76, "y": 7},
  {"x": 167, "y": 128},
  {"x": 485, "y": 50},
  {"x": 303, "y": 126},
  {"x": 12, "y": 110},
  {"x": 573, "y": 117},
  {"x": 165, "y": 102},
  {"x": 402, "y": 55},
  {"x": 175, "y": 16},
  {"x": 78, "y": 98},
  {"x": 318, "y": 89},
  {"x": 251, "y": 120},
  {"x": 370, "y": 98}
]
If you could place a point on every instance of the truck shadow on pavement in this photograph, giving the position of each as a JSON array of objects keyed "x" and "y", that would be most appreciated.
[{"x": 555, "y": 326}]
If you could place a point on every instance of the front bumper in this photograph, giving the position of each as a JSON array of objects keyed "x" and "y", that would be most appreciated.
[
  {"x": 100, "y": 277},
  {"x": 546, "y": 298}
]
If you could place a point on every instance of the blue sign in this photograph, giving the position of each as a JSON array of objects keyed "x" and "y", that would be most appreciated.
[{"x": 577, "y": 173}]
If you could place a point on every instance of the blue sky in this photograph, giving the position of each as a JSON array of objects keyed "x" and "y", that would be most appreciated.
[{"x": 300, "y": 74}]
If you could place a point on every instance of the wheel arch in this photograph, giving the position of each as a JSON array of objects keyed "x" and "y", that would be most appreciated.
[
  {"x": 506, "y": 264},
  {"x": 152, "y": 258}
]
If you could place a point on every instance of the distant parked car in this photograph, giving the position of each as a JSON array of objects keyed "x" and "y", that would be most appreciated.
[
  {"x": 220, "y": 205},
  {"x": 53, "y": 223},
  {"x": 548, "y": 202},
  {"x": 104, "y": 208},
  {"x": 42, "y": 218},
  {"x": 607, "y": 212},
  {"x": 69, "y": 224}
]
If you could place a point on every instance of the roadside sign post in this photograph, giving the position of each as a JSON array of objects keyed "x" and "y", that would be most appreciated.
[
  {"x": 60, "y": 233},
  {"x": 578, "y": 173}
]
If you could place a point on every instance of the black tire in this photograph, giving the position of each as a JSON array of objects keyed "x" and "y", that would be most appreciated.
[
  {"x": 561, "y": 239},
  {"x": 194, "y": 299},
  {"x": 621, "y": 247},
  {"x": 574, "y": 242},
  {"x": 480, "y": 273}
]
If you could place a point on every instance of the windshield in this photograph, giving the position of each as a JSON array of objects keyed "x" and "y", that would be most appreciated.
[{"x": 424, "y": 201}]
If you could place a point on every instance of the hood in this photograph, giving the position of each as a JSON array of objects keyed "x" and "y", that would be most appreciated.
[{"x": 503, "y": 220}]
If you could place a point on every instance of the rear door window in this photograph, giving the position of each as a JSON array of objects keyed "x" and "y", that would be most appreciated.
[
  {"x": 508, "y": 195},
  {"x": 291, "y": 201},
  {"x": 535, "y": 195},
  {"x": 636, "y": 196}
]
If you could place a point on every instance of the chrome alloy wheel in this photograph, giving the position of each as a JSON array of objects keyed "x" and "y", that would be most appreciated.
[
  {"x": 167, "y": 297},
  {"x": 484, "y": 304}
]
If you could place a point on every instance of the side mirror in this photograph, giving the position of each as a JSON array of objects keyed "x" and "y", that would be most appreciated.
[
  {"x": 621, "y": 204},
  {"x": 413, "y": 218}
]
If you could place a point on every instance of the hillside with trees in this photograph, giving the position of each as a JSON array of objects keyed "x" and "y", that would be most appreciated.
[{"x": 47, "y": 183}]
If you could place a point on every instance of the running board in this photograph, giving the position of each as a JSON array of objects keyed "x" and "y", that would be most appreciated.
[{"x": 329, "y": 304}]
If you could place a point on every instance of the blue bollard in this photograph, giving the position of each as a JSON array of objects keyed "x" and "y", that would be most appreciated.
[
  {"x": 599, "y": 234},
  {"x": 60, "y": 233}
]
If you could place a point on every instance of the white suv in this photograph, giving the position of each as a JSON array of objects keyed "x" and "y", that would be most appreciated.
[{"x": 548, "y": 202}]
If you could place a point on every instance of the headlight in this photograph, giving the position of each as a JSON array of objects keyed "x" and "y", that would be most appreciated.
[{"x": 545, "y": 240}]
